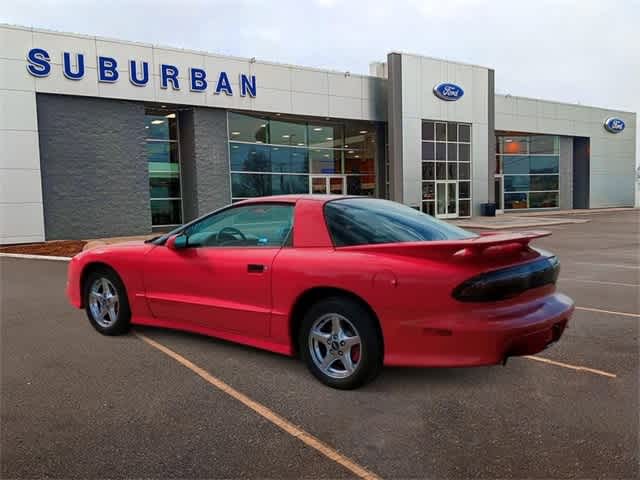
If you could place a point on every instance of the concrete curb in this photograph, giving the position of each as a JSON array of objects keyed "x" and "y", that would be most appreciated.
[{"x": 34, "y": 257}]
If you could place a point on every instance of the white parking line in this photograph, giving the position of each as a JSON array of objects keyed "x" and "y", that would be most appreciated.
[
  {"x": 266, "y": 413},
  {"x": 34, "y": 257},
  {"x": 601, "y": 282},
  {"x": 614, "y": 265},
  {"x": 610, "y": 312},
  {"x": 572, "y": 367}
]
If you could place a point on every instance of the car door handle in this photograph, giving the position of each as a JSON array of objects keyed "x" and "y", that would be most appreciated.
[{"x": 256, "y": 268}]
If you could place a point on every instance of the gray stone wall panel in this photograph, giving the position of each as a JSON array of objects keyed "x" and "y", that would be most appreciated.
[{"x": 95, "y": 180}]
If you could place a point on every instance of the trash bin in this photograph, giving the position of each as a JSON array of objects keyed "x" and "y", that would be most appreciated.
[{"x": 488, "y": 209}]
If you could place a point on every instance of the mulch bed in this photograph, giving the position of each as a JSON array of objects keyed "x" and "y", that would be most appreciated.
[{"x": 61, "y": 248}]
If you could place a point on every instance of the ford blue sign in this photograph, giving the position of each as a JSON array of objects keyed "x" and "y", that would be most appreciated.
[
  {"x": 448, "y": 91},
  {"x": 614, "y": 125}
]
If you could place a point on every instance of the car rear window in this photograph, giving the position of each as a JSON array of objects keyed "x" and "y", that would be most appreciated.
[{"x": 364, "y": 221}]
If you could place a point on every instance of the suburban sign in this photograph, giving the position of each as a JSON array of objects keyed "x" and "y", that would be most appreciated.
[
  {"x": 108, "y": 71},
  {"x": 448, "y": 91},
  {"x": 614, "y": 125}
]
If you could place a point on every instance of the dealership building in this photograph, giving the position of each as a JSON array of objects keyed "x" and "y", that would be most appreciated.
[{"x": 102, "y": 137}]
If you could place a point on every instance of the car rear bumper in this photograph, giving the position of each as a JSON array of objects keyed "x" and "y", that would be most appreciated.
[{"x": 480, "y": 334}]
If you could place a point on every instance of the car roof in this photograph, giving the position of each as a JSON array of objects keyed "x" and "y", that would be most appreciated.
[{"x": 295, "y": 197}]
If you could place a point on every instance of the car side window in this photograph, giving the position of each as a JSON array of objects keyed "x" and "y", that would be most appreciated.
[{"x": 255, "y": 225}]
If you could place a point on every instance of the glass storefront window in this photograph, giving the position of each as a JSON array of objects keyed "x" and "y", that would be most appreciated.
[
  {"x": 163, "y": 160},
  {"x": 530, "y": 165},
  {"x": 247, "y": 185},
  {"x": 543, "y": 200},
  {"x": 250, "y": 158},
  {"x": 428, "y": 191},
  {"x": 464, "y": 133},
  {"x": 513, "y": 165},
  {"x": 428, "y": 151},
  {"x": 464, "y": 171},
  {"x": 452, "y": 171},
  {"x": 513, "y": 145},
  {"x": 428, "y": 171},
  {"x": 544, "y": 164},
  {"x": 166, "y": 212},
  {"x": 288, "y": 133},
  {"x": 325, "y": 136},
  {"x": 161, "y": 126},
  {"x": 162, "y": 152},
  {"x": 296, "y": 149},
  {"x": 356, "y": 162},
  {"x": 464, "y": 152},
  {"x": 465, "y": 189},
  {"x": 515, "y": 201},
  {"x": 361, "y": 185},
  {"x": 428, "y": 131},
  {"x": 290, "y": 160},
  {"x": 325, "y": 161},
  {"x": 543, "y": 182},
  {"x": 541, "y": 144},
  {"x": 247, "y": 128},
  {"x": 516, "y": 183}
]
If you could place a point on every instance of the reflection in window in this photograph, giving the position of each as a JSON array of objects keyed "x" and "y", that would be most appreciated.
[
  {"x": 247, "y": 128},
  {"x": 163, "y": 160},
  {"x": 246, "y": 185},
  {"x": 294, "y": 149},
  {"x": 530, "y": 165}
]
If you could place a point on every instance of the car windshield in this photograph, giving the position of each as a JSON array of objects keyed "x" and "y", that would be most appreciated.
[{"x": 364, "y": 221}]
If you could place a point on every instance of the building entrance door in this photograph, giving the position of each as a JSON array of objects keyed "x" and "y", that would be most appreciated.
[
  {"x": 328, "y": 184},
  {"x": 447, "y": 199}
]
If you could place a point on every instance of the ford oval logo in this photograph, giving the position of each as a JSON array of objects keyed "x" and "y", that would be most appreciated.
[
  {"x": 448, "y": 91},
  {"x": 614, "y": 125}
]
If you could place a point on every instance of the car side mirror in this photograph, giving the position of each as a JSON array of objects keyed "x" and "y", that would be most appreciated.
[{"x": 176, "y": 242}]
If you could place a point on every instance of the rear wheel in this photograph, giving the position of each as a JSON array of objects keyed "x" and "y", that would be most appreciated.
[
  {"x": 340, "y": 343},
  {"x": 106, "y": 302}
]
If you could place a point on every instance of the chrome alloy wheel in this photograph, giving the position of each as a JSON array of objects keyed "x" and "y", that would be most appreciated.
[
  {"x": 104, "y": 302},
  {"x": 334, "y": 344}
]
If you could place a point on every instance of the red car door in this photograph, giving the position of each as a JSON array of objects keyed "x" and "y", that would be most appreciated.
[{"x": 222, "y": 278}]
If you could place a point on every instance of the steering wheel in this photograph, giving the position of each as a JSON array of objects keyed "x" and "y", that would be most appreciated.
[{"x": 229, "y": 232}]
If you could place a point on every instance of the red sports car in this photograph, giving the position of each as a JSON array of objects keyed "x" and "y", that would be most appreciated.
[{"x": 347, "y": 283}]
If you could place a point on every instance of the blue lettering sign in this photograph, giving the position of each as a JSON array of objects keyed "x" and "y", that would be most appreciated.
[
  {"x": 198, "y": 82},
  {"x": 169, "y": 73},
  {"x": 67, "y": 67},
  {"x": 448, "y": 91},
  {"x": 107, "y": 70},
  {"x": 224, "y": 84},
  {"x": 614, "y": 124},
  {"x": 247, "y": 85},
  {"x": 74, "y": 68},
  {"x": 39, "y": 65},
  {"x": 133, "y": 73}
]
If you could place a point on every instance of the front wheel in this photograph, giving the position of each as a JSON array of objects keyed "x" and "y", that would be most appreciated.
[
  {"x": 106, "y": 302},
  {"x": 340, "y": 343}
]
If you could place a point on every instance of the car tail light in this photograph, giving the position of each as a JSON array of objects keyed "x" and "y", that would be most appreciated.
[{"x": 508, "y": 282}]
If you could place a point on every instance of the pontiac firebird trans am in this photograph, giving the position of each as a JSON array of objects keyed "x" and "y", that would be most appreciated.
[{"x": 347, "y": 283}]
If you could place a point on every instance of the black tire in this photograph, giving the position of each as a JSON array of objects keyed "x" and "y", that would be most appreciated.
[
  {"x": 370, "y": 348},
  {"x": 108, "y": 324}
]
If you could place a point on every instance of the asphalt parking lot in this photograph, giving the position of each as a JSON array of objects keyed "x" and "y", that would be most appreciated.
[{"x": 77, "y": 404}]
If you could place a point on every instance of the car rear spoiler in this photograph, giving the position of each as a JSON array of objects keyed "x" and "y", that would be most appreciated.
[{"x": 489, "y": 244}]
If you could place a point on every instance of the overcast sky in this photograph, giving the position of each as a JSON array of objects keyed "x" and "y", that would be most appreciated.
[{"x": 583, "y": 51}]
